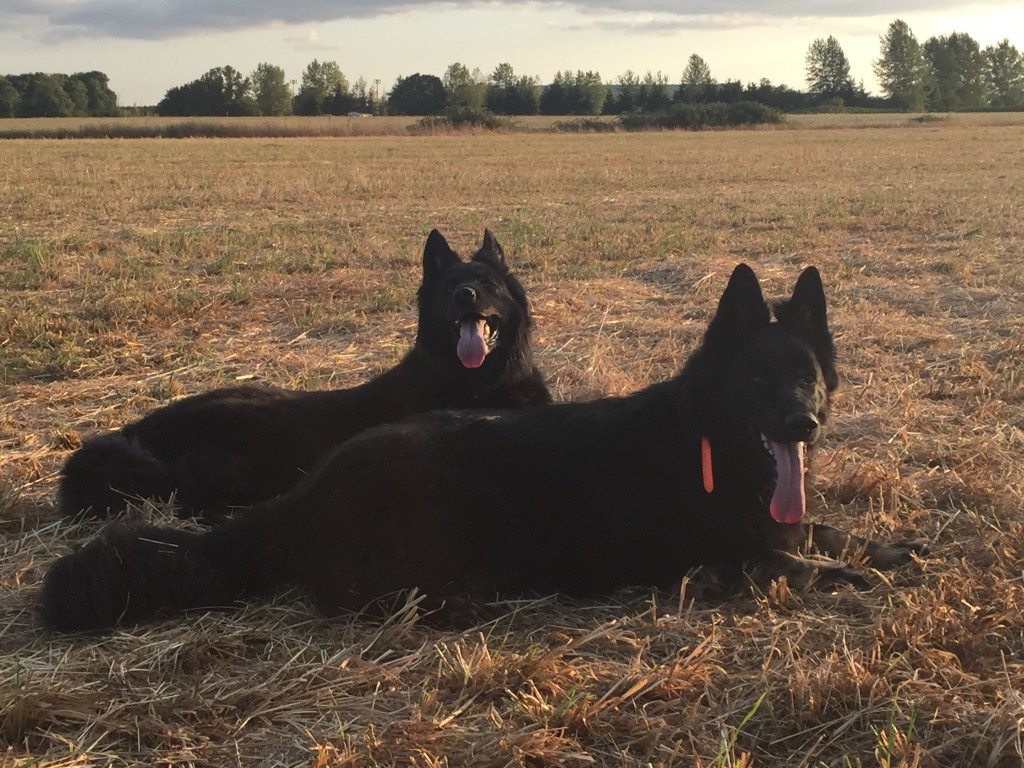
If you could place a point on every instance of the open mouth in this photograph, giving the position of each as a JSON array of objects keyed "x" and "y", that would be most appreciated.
[
  {"x": 789, "y": 501},
  {"x": 477, "y": 337}
]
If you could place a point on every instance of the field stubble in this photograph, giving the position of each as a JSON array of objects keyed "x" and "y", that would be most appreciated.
[{"x": 137, "y": 271}]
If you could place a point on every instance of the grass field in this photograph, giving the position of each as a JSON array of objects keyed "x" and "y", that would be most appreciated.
[{"x": 140, "y": 270}]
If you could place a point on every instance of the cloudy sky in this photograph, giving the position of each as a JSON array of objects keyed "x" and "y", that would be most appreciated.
[{"x": 148, "y": 46}]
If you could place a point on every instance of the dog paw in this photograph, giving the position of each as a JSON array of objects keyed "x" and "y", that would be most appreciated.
[
  {"x": 832, "y": 577},
  {"x": 896, "y": 553}
]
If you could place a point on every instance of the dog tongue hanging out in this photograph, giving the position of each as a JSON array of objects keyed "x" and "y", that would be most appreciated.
[
  {"x": 790, "y": 499},
  {"x": 472, "y": 347}
]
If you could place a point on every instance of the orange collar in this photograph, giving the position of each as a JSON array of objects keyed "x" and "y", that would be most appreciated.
[{"x": 705, "y": 465}]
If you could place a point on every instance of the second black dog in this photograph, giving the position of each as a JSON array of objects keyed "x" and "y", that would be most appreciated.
[{"x": 233, "y": 447}]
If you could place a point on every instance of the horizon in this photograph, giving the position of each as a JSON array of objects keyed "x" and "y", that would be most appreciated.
[{"x": 113, "y": 36}]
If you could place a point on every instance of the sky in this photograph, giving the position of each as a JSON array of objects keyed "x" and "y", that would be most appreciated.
[{"x": 149, "y": 46}]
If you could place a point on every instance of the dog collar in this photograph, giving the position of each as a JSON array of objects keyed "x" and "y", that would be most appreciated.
[{"x": 707, "y": 473}]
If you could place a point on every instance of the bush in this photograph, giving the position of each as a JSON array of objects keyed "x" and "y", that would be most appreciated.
[
  {"x": 477, "y": 117},
  {"x": 699, "y": 116},
  {"x": 462, "y": 117},
  {"x": 585, "y": 125}
]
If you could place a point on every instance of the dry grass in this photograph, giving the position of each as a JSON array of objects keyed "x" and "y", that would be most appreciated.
[
  {"x": 135, "y": 271},
  {"x": 272, "y": 127}
]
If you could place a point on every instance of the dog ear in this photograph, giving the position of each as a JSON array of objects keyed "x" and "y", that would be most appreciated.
[
  {"x": 741, "y": 310},
  {"x": 437, "y": 255},
  {"x": 490, "y": 250},
  {"x": 806, "y": 315}
]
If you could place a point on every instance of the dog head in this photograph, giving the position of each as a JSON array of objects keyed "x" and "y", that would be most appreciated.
[
  {"x": 470, "y": 312},
  {"x": 772, "y": 382}
]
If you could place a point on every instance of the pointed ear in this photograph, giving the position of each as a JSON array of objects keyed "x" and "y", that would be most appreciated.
[
  {"x": 806, "y": 315},
  {"x": 437, "y": 255},
  {"x": 490, "y": 250},
  {"x": 741, "y": 310}
]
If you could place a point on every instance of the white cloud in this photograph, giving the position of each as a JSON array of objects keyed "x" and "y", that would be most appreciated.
[{"x": 164, "y": 19}]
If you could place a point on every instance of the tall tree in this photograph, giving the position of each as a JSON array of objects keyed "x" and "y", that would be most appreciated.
[
  {"x": 42, "y": 95},
  {"x": 236, "y": 89},
  {"x": 957, "y": 73},
  {"x": 901, "y": 69},
  {"x": 626, "y": 96},
  {"x": 1005, "y": 71},
  {"x": 321, "y": 81},
  {"x": 697, "y": 83},
  {"x": 417, "y": 95},
  {"x": 464, "y": 89},
  {"x": 102, "y": 100},
  {"x": 270, "y": 90},
  {"x": 9, "y": 98},
  {"x": 508, "y": 94},
  {"x": 654, "y": 94},
  {"x": 221, "y": 91},
  {"x": 582, "y": 93},
  {"x": 828, "y": 69},
  {"x": 363, "y": 100},
  {"x": 79, "y": 95}
]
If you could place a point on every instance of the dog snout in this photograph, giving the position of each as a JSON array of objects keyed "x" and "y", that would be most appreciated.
[
  {"x": 800, "y": 427},
  {"x": 464, "y": 296}
]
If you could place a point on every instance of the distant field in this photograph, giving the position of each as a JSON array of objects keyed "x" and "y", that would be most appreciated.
[
  {"x": 135, "y": 271},
  {"x": 327, "y": 125}
]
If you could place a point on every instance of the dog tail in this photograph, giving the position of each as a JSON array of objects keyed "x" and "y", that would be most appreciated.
[
  {"x": 134, "y": 572},
  {"x": 107, "y": 470}
]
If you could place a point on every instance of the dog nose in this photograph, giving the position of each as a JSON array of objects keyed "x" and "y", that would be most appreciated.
[
  {"x": 464, "y": 295},
  {"x": 800, "y": 427}
]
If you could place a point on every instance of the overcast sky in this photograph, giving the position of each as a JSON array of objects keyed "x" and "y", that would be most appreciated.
[{"x": 148, "y": 46}]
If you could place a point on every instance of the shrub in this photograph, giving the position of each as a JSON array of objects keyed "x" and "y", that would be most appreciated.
[
  {"x": 585, "y": 125},
  {"x": 699, "y": 116}
]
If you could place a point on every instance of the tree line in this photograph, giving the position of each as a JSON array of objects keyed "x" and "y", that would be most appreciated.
[
  {"x": 83, "y": 94},
  {"x": 945, "y": 73}
]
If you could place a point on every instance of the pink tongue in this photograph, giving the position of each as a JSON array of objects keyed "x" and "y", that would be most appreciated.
[
  {"x": 789, "y": 500},
  {"x": 472, "y": 350}
]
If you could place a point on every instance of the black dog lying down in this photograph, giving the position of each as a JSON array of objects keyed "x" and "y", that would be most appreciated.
[
  {"x": 240, "y": 445},
  {"x": 706, "y": 468}
]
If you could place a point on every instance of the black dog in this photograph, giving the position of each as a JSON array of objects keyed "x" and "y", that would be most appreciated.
[
  {"x": 236, "y": 446},
  {"x": 706, "y": 468}
]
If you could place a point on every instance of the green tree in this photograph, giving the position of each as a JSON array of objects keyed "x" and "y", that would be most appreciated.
[
  {"x": 654, "y": 93},
  {"x": 697, "y": 83},
  {"x": 363, "y": 100},
  {"x": 42, "y": 95},
  {"x": 102, "y": 100},
  {"x": 417, "y": 95},
  {"x": 79, "y": 95},
  {"x": 1005, "y": 72},
  {"x": 321, "y": 81},
  {"x": 220, "y": 91},
  {"x": 508, "y": 94},
  {"x": 582, "y": 93},
  {"x": 270, "y": 90},
  {"x": 9, "y": 98},
  {"x": 901, "y": 69},
  {"x": 236, "y": 90},
  {"x": 828, "y": 69},
  {"x": 625, "y": 96},
  {"x": 956, "y": 73},
  {"x": 464, "y": 89}
]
